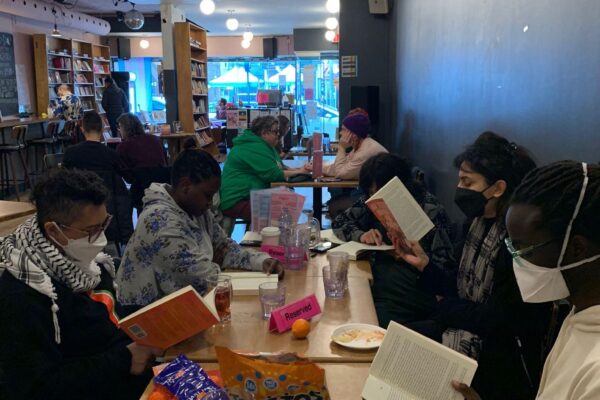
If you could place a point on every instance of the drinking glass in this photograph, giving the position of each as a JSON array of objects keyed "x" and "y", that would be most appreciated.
[
  {"x": 223, "y": 294},
  {"x": 339, "y": 259},
  {"x": 314, "y": 225},
  {"x": 334, "y": 281},
  {"x": 272, "y": 296},
  {"x": 296, "y": 248}
]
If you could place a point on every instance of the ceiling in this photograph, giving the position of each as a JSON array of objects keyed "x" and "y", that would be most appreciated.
[{"x": 266, "y": 17}]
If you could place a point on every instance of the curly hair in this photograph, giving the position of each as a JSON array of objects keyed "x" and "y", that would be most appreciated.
[
  {"x": 196, "y": 164},
  {"x": 131, "y": 125},
  {"x": 261, "y": 124}
]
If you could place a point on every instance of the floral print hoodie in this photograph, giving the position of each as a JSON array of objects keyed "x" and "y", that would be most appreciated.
[{"x": 170, "y": 250}]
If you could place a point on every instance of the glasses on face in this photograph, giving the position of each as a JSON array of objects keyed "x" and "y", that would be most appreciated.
[
  {"x": 523, "y": 252},
  {"x": 94, "y": 233}
]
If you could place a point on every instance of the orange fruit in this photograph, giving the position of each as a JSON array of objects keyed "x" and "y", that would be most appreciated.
[{"x": 300, "y": 328}]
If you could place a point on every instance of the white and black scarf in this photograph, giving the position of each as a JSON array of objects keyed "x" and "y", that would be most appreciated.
[{"x": 31, "y": 258}]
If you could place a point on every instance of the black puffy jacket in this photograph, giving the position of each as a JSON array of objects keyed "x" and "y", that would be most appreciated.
[{"x": 114, "y": 101}]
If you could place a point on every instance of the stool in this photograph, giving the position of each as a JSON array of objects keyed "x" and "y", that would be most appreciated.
[
  {"x": 19, "y": 133},
  {"x": 49, "y": 140},
  {"x": 69, "y": 134}
]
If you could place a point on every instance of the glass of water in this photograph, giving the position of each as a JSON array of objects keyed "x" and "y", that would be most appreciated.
[
  {"x": 272, "y": 296},
  {"x": 339, "y": 259},
  {"x": 334, "y": 281}
]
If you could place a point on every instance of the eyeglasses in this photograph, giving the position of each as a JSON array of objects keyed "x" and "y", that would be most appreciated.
[
  {"x": 526, "y": 251},
  {"x": 95, "y": 233}
]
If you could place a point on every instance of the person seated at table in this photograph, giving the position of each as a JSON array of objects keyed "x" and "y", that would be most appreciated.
[
  {"x": 138, "y": 149},
  {"x": 177, "y": 242},
  {"x": 68, "y": 105},
  {"x": 253, "y": 163},
  {"x": 395, "y": 288},
  {"x": 222, "y": 109},
  {"x": 92, "y": 155},
  {"x": 480, "y": 312},
  {"x": 283, "y": 145},
  {"x": 553, "y": 224},
  {"x": 59, "y": 337}
]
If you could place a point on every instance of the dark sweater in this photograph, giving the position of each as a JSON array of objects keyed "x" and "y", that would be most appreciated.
[
  {"x": 143, "y": 151},
  {"x": 91, "y": 362},
  {"x": 114, "y": 101}
]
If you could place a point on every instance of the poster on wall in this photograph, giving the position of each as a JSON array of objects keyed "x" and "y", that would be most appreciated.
[
  {"x": 233, "y": 119},
  {"x": 349, "y": 66},
  {"x": 9, "y": 97}
]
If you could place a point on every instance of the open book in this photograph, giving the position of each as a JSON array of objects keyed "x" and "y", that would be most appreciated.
[
  {"x": 411, "y": 366},
  {"x": 172, "y": 319},
  {"x": 246, "y": 283},
  {"x": 398, "y": 211},
  {"x": 355, "y": 249}
]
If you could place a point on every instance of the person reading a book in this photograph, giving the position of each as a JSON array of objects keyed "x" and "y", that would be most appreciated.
[
  {"x": 68, "y": 105},
  {"x": 59, "y": 337},
  {"x": 554, "y": 238},
  {"x": 252, "y": 164},
  {"x": 480, "y": 312},
  {"x": 395, "y": 288},
  {"x": 177, "y": 242}
]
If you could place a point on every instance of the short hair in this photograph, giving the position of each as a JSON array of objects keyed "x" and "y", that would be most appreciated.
[
  {"x": 109, "y": 80},
  {"x": 380, "y": 169},
  {"x": 195, "y": 164},
  {"x": 496, "y": 159},
  {"x": 131, "y": 125},
  {"x": 555, "y": 190},
  {"x": 92, "y": 122},
  {"x": 60, "y": 196},
  {"x": 261, "y": 124},
  {"x": 223, "y": 100}
]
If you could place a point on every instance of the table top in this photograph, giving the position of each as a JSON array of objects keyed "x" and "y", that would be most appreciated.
[
  {"x": 344, "y": 381},
  {"x": 14, "y": 209},
  {"x": 317, "y": 184},
  {"x": 9, "y": 122},
  {"x": 248, "y": 332},
  {"x": 179, "y": 135},
  {"x": 356, "y": 269}
]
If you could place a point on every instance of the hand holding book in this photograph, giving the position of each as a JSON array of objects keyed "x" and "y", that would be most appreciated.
[{"x": 411, "y": 252}]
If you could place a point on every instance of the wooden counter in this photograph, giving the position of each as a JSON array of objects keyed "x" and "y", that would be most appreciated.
[{"x": 15, "y": 209}]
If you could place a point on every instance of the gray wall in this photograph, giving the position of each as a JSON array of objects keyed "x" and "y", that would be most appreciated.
[
  {"x": 312, "y": 39},
  {"x": 529, "y": 70}
]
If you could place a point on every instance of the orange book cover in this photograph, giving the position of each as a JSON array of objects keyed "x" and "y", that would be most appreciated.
[
  {"x": 385, "y": 216},
  {"x": 172, "y": 319}
]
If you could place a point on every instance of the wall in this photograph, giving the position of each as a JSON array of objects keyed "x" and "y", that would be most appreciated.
[
  {"x": 154, "y": 50},
  {"x": 526, "y": 69},
  {"x": 312, "y": 40}
]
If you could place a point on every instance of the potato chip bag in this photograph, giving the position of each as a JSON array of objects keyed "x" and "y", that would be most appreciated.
[{"x": 270, "y": 377}]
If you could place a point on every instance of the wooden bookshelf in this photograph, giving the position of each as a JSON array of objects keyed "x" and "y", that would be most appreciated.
[
  {"x": 101, "y": 55},
  {"x": 84, "y": 74},
  {"x": 192, "y": 84}
]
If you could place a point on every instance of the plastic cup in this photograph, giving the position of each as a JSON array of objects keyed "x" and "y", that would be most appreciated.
[
  {"x": 271, "y": 296},
  {"x": 270, "y": 235}
]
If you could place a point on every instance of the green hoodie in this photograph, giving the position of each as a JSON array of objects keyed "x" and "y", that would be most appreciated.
[{"x": 252, "y": 164}]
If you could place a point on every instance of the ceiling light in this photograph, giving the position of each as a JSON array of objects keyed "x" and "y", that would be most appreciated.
[
  {"x": 207, "y": 7},
  {"x": 248, "y": 36},
  {"x": 329, "y": 36},
  {"x": 144, "y": 44},
  {"x": 245, "y": 43},
  {"x": 333, "y": 6},
  {"x": 134, "y": 19},
  {"x": 331, "y": 23},
  {"x": 232, "y": 24},
  {"x": 56, "y": 32}
]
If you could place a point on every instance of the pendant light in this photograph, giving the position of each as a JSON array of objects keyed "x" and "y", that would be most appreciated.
[
  {"x": 207, "y": 7},
  {"x": 232, "y": 23}
]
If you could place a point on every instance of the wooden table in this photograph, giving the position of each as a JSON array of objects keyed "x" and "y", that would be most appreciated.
[
  {"x": 344, "y": 381},
  {"x": 14, "y": 209},
  {"x": 10, "y": 122},
  {"x": 318, "y": 186},
  {"x": 356, "y": 269}
]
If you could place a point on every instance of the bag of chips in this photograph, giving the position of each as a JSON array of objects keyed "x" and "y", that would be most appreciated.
[{"x": 270, "y": 377}]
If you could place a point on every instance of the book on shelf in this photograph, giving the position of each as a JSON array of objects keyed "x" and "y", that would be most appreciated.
[
  {"x": 198, "y": 70},
  {"x": 199, "y": 87},
  {"x": 199, "y": 106},
  {"x": 84, "y": 91},
  {"x": 172, "y": 319},
  {"x": 60, "y": 63},
  {"x": 201, "y": 122},
  {"x": 82, "y": 65},
  {"x": 80, "y": 78},
  {"x": 87, "y": 105},
  {"x": 409, "y": 365}
]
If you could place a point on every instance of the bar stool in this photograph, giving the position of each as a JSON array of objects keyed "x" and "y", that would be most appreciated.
[
  {"x": 49, "y": 140},
  {"x": 19, "y": 133},
  {"x": 69, "y": 134}
]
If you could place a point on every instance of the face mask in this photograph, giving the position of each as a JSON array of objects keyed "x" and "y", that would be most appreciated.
[
  {"x": 81, "y": 252},
  {"x": 540, "y": 284},
  {"x": 471, "y": 202}
]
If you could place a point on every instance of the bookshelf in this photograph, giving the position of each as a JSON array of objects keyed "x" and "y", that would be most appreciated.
[
  {"x": 101, "y": 55},
  {"x": 192, "y": 84},
  {"x": 83, "y": 75}
]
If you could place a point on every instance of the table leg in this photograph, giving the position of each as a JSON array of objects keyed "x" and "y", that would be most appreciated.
[{"x": 318, "y": 203}]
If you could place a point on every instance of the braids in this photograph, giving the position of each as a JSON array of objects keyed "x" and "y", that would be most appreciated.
[
  {"x": 196, "y": 164},
  {"x": 555, "y": 189}
]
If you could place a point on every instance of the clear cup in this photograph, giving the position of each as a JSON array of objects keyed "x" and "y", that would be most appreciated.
[
  {"x": 296, "y": 248},
  {"x": 271, "y": 296},
  {"x": 334, "y": 281},
  {"x": 223, "y": 295},
  {"x": 339, "y": 259}
]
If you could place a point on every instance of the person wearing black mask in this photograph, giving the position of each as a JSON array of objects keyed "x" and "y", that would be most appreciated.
[{"x": 480, "y": 312}]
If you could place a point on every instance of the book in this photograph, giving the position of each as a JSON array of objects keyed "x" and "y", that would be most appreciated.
[
  {"x": 409, "y": 365},
  {"x": 327, "y": 235},
  {"x": 399, "y": 212},
  {"x": 172, "y": 319},
  {"x": 356, "y": 249},
  {"x": 246, "y": 283}
]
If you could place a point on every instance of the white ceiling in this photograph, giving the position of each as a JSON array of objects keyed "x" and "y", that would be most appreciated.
[{"x": 266, "y": 17}]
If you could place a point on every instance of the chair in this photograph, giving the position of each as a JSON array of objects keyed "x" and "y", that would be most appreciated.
[
  {"x": 142, "y": 179},
  {"x": 49, "y": 140},
  {"x": 69, "y": 135},
  {"x": 52, "y": 161},
  {"x": 19, "y": 133}
]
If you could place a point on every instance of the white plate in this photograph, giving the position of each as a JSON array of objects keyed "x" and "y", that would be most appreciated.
[{"x": 359, "y": 344}]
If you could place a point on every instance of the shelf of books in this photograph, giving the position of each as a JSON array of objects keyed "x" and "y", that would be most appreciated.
[
  {"x": 192, "y": 85},
  {"x": 71, "y": 62},
  {"x": 101, "y": 55}
]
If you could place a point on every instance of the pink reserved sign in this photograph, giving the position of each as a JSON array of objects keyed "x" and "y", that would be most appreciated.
[
  {"x": 276, "y": 252},
  {"x": 282, "y": 318}
]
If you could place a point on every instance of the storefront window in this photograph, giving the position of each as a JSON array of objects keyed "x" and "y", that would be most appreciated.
[{"x": 146, "y": 91}]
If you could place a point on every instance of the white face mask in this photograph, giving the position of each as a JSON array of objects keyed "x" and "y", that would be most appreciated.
[
  {"x": 541, "y": 284},
  {"x": 80, "y": 251}
]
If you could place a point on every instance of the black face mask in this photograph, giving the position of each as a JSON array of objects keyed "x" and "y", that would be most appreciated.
[{"x": 471, "y": 202}]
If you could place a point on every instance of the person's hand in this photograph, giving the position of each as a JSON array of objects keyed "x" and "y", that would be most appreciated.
[
  {"x": 219, "y": 253},
  {"x": 372, "y": 236},
  {"x": 308, "y": 166},
  {"x": 272, "y": 266},
  {"x": 141, "y": 357},
  {"x": 411, "y": 252},
  {"x": 345, "y": 139},
  {"x": 466, "y": 391}
]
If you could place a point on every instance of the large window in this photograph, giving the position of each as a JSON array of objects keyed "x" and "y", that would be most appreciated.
[{"x": 145, "y": 90}]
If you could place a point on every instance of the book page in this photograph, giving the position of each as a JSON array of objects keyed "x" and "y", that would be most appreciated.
[
  {"x": 411, "y": 366},
  {"x": 327, "y": 235},
  {"x": 354, "y": 248}
]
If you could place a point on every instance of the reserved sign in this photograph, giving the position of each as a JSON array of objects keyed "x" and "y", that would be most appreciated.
[{"x": 282, "y": 318}]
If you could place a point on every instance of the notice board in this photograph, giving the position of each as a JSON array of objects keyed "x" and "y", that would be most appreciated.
[{"x": 9, "y": 98}]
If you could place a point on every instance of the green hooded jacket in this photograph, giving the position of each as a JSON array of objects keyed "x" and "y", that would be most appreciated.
[{"x": 252, "y": 164}]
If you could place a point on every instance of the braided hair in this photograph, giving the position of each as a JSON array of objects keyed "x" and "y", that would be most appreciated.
[
  {"x": 496, "y": 159},
  {"x": 555, "y": 189},
  {"x": 195, "y": 164}
]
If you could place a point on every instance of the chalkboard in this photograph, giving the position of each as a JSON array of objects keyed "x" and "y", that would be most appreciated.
[{"x": 9, "y": 99}]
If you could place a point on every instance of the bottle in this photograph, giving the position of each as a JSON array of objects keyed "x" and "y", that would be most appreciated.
[{"x": 285, "y": 224}]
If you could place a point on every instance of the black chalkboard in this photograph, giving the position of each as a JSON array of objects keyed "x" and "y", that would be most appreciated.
[{"x": 9, "y": 100}]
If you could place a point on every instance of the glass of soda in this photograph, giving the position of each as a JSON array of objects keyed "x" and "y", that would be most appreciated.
[{"x": 223, "y": 295}]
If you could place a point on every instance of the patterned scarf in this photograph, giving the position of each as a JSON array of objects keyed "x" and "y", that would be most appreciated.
[
  {"x": 31, "y": 258},
  {"x": 475, "y": 279}
]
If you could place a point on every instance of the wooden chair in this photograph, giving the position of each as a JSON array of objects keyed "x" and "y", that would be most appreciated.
[
  {"x": 70, "y": 134},
  {"x": 53, "y": 161},
  {"x": 50, "y": 140},
  {"x": 18, "y": 146}
]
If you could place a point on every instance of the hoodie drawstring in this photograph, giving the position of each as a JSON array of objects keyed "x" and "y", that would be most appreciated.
[{"x": 55, "y": 309}]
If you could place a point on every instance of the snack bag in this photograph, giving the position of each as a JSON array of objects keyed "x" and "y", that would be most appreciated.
[
  {"x": 270, "y": 377},
  {"x": 186, "y": 380}
]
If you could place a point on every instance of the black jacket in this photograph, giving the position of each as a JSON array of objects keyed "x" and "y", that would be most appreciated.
[
  {"x": 114, "y": 101},
  {"x": 91, "y": 362}
]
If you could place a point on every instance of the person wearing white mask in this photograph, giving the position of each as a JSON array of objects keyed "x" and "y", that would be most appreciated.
[
  {"x": 554, "y": 227},
  {"x": 59, "y": 337}
]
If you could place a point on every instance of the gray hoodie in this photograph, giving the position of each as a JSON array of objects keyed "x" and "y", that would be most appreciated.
[{"x": 170, "y": 250}]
